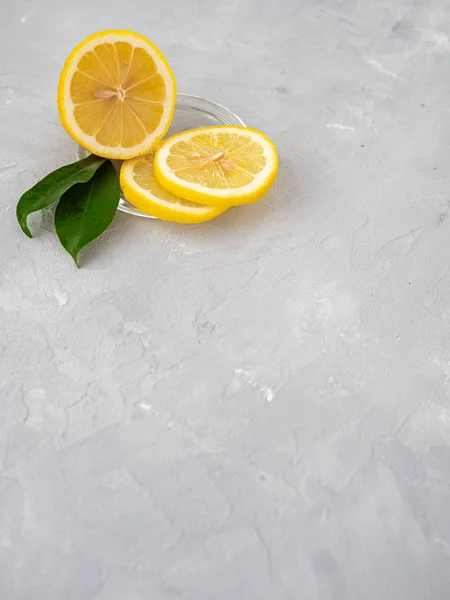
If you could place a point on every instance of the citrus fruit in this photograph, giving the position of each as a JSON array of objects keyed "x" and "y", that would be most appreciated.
[
  {"x": 141, "y": 188},
  {"x": 219, "y": 166},
  {"x": 116, "y": 94}
]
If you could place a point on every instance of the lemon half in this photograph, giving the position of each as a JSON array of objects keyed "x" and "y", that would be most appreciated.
[{"x": 116, "y": 94}]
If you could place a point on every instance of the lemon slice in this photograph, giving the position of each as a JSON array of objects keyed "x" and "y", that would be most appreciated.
[
  {"x": 141, "y": 188},
  {"x": 221, "y": 165},
  {"x": 116, "y": 94}
]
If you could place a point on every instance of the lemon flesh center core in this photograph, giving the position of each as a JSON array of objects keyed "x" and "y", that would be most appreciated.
[
  {"x": 219, "y": 161},
  {"x": 118, "y": 95}
]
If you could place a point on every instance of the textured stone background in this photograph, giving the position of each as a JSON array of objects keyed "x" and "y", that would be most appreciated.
[{"x": 256, "y": 408}]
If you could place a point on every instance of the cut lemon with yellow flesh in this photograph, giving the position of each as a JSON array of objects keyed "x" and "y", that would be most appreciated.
[
  {"x": 141, "y": 188},
  {"x": 220, "y": 165},
  {"x": 116, "y": 94}
]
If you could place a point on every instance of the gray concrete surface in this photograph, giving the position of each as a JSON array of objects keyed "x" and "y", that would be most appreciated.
[{"x": 257, "y": 408}]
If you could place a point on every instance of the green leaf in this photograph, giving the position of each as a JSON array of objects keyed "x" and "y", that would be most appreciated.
[
  {"x": 53, "y": 186},
  {"x": 86, "y": 210}
]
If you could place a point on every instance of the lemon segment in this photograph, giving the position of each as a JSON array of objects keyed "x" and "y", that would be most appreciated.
[
  {"x": 116, "y": 94},
  {"x": 218, "y": 166},
  {"x": 141, "y": 188}
]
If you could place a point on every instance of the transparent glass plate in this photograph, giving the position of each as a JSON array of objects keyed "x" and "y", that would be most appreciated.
[{"x": 190, "y": 112}]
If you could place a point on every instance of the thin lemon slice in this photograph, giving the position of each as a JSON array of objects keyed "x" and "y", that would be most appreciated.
[
  {"x": 116, "y": 94},
  {"x": 221, "y": 165},
  {"x": 141, "y": 188}
]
